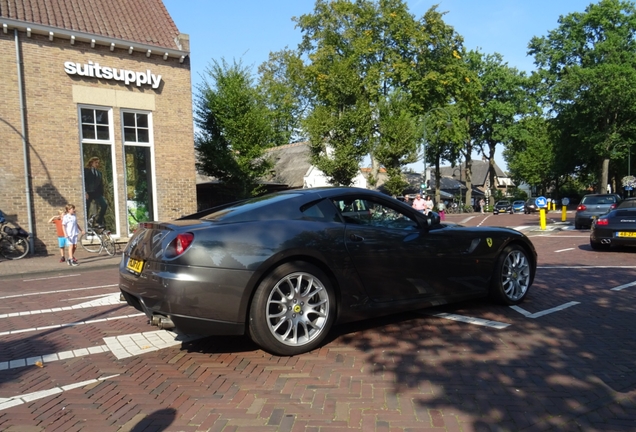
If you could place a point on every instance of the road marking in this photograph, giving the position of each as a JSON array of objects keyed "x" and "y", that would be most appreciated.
[
  {"x": 522, "y": 227},
  {"x": 73, "y": 324},
  {"x": 58, "y": 291},
  {"x": 123, "y": 346},
  {"x": 545, "y": 312},
  {"x": 563, "y": 250},
  {"x": 51, "y": 277},
  {"x": 469, "y": 320},
  {"x": 6, "y": 403},
  {"x": 622, "y": 287},
  {"x": 107, "y": 300},
  {"x": 131, "y": 345}
]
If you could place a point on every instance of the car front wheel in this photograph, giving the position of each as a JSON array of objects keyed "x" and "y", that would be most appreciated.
[
  {"x": 512, "y": 276},
  {"x": 292, "y": 310}
]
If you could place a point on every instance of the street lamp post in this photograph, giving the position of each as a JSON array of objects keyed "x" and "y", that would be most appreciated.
[{"x": 424, "y": 137}]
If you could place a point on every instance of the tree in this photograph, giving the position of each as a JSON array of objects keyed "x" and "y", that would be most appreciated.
[
  {"x": 589, "y": 65},
  {"x": 530, "y": 155},
  {"x": 235, "y": 128},
  {"x": 502, "y": 99},
  {"x": 398, "y": 134},
  {"x": 281, "y": 82},
  {"x": 360, "y": 55}
]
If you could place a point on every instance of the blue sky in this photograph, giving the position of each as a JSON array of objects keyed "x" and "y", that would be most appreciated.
[{"x": 248, "y": 30}]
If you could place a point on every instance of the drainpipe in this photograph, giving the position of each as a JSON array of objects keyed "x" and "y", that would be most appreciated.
[{"x": 25, "y": 148}]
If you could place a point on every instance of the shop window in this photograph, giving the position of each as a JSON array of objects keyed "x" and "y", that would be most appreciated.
[
  {"x": 137, "y": 132},
  {"x": 98, "y": 163}
]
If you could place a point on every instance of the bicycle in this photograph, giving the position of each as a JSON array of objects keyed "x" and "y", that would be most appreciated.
[
  {"x": 96, "y": 238},
  {"x": 13, "y": 241}
]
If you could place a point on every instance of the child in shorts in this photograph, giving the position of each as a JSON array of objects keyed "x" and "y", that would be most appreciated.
[
  {"x": 71, "y": 232},
  {"x": 61, "y": 237}
]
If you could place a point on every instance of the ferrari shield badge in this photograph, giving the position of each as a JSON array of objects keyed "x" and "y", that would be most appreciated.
[{"x": 489, "y": 241}]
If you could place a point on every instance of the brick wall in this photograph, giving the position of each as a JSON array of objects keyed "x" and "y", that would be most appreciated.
[{"x": 55, "y": 164}]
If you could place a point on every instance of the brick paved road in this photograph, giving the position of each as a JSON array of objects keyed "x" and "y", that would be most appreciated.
[{"x": 572, "y": 369}]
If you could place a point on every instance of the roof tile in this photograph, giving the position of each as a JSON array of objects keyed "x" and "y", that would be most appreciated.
[{"x": 142, "y": 21}]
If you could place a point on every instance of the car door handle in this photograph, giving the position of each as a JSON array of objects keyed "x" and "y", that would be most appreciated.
[{"x": 356, "y": 238}]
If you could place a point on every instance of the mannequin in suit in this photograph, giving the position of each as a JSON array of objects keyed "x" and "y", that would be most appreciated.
[{"x": 94, "y": 187}]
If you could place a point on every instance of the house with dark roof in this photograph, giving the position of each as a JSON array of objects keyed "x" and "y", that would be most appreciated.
[{"x": 91, "y": 80}]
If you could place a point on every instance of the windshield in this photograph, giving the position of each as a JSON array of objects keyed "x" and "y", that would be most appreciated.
[{"x": 599, "y": 200}]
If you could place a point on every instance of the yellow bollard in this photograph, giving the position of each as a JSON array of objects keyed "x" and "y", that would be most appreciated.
[
  {"x": 542, "y": 217},
  {"x": 563, "y": 213}
]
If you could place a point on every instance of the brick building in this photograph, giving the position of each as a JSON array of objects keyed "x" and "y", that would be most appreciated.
[{"x": 83, "y": 80}]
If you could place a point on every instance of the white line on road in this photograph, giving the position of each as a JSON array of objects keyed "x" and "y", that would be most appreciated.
[
  {"x": 73, "y": 324},
  {"x": 6, "y": 403},
  {"x": 58, "y": 291},
  {"x": 564, "y": 250},
  {"x": 123, "y": 346},
  {"x": 545, "y": 312},
  {"x": 107, "y": 300},
  {"x": 469, "y": 320},
  {"x": 51, "y": 277},
  {"x": 622, "y": 287}
]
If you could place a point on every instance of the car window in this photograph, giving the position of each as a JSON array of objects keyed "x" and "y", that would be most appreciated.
[
  {"x": 370, "y": 213},
  {"x": 599, "y": 200},
  {"x": 627, "y": 204},
  {"x": 321, "y": 211}
]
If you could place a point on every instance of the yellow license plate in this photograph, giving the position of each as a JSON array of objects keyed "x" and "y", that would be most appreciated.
[
  {"x": 626, "y": 234},
  {"x": 135, "y": 265}
]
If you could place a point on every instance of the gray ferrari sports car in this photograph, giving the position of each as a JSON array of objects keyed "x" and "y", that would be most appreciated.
[{"x": 284, "y": 268}]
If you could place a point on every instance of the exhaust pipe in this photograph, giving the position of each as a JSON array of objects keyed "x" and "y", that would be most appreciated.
[
  {"x": 163, "y": 322},
  {"x": 166, "y": 323}
]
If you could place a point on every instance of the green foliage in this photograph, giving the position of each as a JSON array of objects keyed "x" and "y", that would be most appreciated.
[
  {"x": 531, "y": 154},
  {"x": 235, "y": 127},
  {"x": 373, "y": 66},
  {"x": 281, "y": 82},
  {"x": 589, "y": 66},
  {"x": 502, "y": 100}
]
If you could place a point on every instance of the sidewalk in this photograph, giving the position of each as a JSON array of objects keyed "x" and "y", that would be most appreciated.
[{"x": 38, "y": 265}]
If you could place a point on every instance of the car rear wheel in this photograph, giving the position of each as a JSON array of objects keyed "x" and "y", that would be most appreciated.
[
  {"x": 512, "y": 276},
  {"x": 292, "y": 310}
]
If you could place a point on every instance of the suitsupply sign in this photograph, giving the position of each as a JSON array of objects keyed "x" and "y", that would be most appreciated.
[{"x": 95, "y": 70}]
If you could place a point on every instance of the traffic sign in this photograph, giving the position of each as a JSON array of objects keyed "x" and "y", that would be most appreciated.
[
  {"x": 565, "y": 201},
  {"x": 542, "y": 202}
]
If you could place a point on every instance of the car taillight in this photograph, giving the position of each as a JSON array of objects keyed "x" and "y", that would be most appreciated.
[
  {"x": 602, "y": 221},
  {"x": 581, "y": 207},
  {"x": 179, "y": 245},
  {"x": 613, "y": 206}
]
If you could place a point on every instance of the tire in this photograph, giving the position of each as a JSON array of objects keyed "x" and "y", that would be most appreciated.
[
  {"x": 598, "y": 246},
  {"x": 109, "y": 245},
  {"x": 286, "y": 321},
  {"x": 512, "y": 277},
  {"x": 14, "y": 248},
  {"x": 90, "y": 242}
]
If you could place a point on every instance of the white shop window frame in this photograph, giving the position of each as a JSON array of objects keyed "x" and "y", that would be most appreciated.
[
  {"x": 151, "y": 145},
  {"x": 110, "y": 142}
]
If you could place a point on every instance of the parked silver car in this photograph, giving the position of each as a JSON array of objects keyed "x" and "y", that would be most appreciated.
[{"x": 592, "y": 206}]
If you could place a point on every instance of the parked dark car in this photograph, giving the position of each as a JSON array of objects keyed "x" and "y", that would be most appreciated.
[
  {"x": 502, "y": 207},
  {"x": 593, "y": 206},
  {"x": 530, "y": 206},
  {"x": 616, "y": 228},
  {"x": 284, "y": 268}
]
